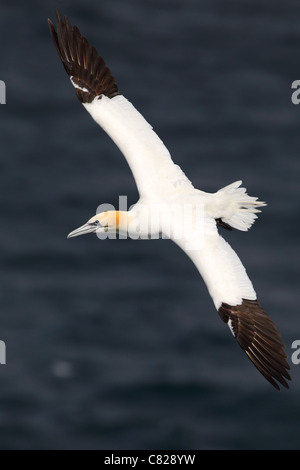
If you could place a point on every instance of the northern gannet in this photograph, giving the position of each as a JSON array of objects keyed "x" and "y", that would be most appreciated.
[{"x": 162, "y": 185}]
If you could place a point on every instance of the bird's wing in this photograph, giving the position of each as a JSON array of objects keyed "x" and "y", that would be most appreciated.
[
  {"x": 147, "y": 156},
  {"x": 235, "y": 300}
]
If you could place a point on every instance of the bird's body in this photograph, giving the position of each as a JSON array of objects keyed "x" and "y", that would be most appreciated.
[{"x": 170, "y": 206}]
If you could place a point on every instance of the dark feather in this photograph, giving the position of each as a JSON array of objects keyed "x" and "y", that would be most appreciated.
[
  {"x": 82, "y": 63},
  {"x": 258, "y": 337},
  {"x": 223, "y": 224}
]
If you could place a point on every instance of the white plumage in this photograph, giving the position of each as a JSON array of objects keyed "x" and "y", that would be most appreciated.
[
  {"x": 149, "y": 160},
  {"x": 159, "y": 180},
  {"x": 187, "y": 215}
]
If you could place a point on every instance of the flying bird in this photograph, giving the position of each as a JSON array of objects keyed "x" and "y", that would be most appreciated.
[{"x": 170, "y": 206}]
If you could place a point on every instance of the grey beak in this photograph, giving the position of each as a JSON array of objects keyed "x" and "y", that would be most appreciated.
[{"x": 86, "y": 228}]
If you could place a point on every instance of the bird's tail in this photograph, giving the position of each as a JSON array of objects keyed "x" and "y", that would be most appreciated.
[{"x": 239, "y": 209}]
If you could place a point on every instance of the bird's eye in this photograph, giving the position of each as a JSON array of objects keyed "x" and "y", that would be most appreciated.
[{"x": 97, "y": 222}]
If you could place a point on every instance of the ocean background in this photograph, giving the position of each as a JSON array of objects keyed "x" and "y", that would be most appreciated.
[{"x": 116, "y": 344}]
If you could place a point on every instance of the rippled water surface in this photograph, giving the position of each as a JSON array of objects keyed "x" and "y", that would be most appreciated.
[{"x": 116, "y": 344}]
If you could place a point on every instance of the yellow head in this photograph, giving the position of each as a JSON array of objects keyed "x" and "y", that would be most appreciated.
[{"x": 116, "y": 221}]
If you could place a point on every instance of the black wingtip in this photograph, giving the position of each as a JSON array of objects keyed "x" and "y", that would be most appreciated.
[
  {"x": 87, "y": 70},
  {"x": 259, "y": 338}
]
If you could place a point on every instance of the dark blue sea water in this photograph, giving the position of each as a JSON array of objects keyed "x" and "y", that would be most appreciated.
[{"x": 116, "y": 344}]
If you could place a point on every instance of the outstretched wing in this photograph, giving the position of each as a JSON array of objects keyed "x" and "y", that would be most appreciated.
[
  {"x": 147, "y": 156},
  {"x": 235, "y": 300}
]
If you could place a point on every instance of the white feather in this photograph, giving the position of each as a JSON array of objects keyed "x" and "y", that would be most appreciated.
[
  {"x": 146, "y": 154},
  {"x": 220, "y": 267},
  {"x": 236, "y": 207},
  {"x": 156, "y": 174}
]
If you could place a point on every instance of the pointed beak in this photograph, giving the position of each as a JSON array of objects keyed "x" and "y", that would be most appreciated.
[{"x": 86, "y": 228}]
